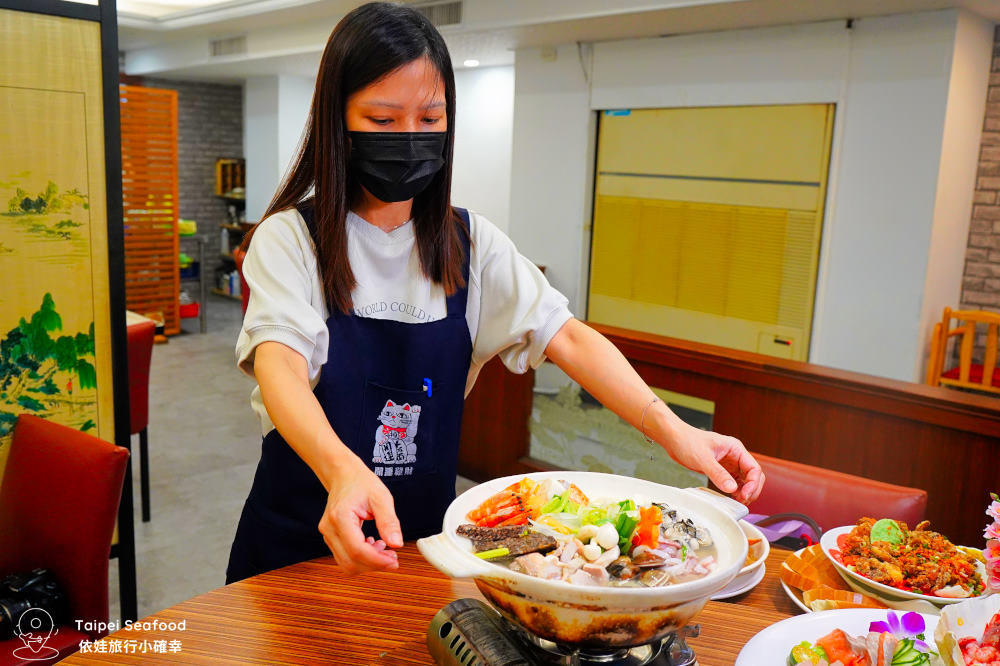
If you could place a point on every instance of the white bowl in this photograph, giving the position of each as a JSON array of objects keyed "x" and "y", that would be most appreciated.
[
  {"x": 750, "y": 575},
  {"x": 761, "y": 550},
  {"x": 867, "y": 586},
  {"x": 590, "y": 616}
]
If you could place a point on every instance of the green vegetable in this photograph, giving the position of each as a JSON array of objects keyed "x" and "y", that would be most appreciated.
[
  {"x": 555, "y": 505},
  {"x": 887, "y": 530},
  {"x": 595, "y": 517},
  {"x": 563, "y": 504},
  {"x": 806, "y": 653},
  {"x": 495, "y": 553},
  {"x": 907, "y": 654},
  {"x": 626, "y": 525}
]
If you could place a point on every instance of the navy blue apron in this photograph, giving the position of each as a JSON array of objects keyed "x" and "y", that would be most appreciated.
[{"x": 394, "y": 394}]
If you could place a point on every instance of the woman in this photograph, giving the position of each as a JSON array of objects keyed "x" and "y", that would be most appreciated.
[{"x": 373, "y": 304}]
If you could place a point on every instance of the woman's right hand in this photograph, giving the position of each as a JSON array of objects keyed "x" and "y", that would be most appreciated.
[{"x": 357, "y": 495}]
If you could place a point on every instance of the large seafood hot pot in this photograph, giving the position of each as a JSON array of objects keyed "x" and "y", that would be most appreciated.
[{"x": 590, "y": 616}]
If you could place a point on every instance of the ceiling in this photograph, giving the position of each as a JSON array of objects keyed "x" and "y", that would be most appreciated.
[
  {"x": 164, "y": 8},
  {"x": 169, "y": 38}
]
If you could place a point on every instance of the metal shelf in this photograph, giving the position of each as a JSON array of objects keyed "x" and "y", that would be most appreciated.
[
  {"x": 219, "y": 292},
  {"x": 202, "y": 284}
]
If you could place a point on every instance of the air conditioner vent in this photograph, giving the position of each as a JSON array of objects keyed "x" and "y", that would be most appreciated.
[
  {"x": 441, "y": 13},
  {"x": 228, "y": 46}
]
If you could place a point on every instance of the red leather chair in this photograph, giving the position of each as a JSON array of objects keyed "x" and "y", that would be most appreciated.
[
  {"x": 58, "y": 504},
  {"x": 140, "y": 353},
  {"x": 833, "y": 498},
  {"x": 238, "y": 256}
]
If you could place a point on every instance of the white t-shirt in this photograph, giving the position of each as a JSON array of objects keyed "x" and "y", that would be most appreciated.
[{"x": 511, "y": 311}]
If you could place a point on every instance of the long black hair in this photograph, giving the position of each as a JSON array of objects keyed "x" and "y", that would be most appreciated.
[{"x": 366, "y": 45}]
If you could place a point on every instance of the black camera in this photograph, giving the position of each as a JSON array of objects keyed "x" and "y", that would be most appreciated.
[{"x": 21, "y": 592}]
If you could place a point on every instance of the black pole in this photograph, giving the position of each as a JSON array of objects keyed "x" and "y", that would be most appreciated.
[{"x": 116, "y": 291}]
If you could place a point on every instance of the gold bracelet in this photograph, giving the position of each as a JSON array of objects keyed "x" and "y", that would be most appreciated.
[{"x": 642, "y": 420}]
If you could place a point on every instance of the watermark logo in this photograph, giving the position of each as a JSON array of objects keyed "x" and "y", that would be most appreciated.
[
  {"x": 35, "y": 628},
  {"x": 143, "y": 644}
]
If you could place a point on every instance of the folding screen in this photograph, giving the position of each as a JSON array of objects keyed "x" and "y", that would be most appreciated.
[{"x": 62, "y": 315}]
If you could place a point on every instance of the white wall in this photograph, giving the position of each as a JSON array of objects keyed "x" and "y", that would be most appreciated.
[
  {"x": 294, "y": 99},
  {"x": 552, "y": 165},
  {"x": 260, "y": 144},
  {"x": 889, "y": 77},
  {"x": 275, "y": 110},
  {"x": 869, "y": 313},
  {"x": 803, "y": 63},
  {"x": 483, "y": 126},
  {"x": 970, "y": 73}
]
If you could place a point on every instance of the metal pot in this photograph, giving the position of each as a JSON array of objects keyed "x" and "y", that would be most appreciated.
[{"x": 588, "y": 616}]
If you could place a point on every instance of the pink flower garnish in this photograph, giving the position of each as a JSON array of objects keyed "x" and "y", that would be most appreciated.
[
  {"x": 992, "y": 552},
  {"x": 993, "y": 585},
  {"x": 910, "y": 625},
  {"x": 993, "y": 510}
]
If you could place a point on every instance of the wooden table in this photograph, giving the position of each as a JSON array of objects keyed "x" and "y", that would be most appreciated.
[{"x": 310, "y": 613}]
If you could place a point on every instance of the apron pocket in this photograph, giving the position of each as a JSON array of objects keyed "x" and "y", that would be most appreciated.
[{"x": 397, "y": 432}]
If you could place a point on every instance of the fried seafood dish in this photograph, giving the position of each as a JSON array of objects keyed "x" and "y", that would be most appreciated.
[
  {"x": 552, "y": 530},
  {"x": 918, "y": 560}
]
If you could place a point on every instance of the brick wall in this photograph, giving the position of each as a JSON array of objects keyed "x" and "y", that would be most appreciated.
[
  {"x": 210, "y": 126},
  {"x": 981, "y": 284}
]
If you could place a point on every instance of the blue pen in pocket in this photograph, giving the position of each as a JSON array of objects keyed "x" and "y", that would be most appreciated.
[{"x": 428, "y": 386}]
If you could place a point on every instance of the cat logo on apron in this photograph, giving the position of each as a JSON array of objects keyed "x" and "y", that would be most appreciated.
[{"x": 394, "y": 439}]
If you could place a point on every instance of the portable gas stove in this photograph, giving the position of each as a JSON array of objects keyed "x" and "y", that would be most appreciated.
[{"x": 467, "y": 632}]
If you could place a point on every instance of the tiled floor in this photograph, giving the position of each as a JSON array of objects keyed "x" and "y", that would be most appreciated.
[{"x": 204, "y": 444}]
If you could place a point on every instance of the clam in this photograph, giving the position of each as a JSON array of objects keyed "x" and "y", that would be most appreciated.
[
  {"x": 648, "y": 558},
  {"x": 623, "y": 568},
  {"x": 654, "y": 578}
]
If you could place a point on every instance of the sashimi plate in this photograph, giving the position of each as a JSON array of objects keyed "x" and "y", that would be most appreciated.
[{"x": 773, "y": 645}]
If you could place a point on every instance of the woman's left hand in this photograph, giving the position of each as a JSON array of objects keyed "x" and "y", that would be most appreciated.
[
  {"x": 592, "y": 361},
  {"x": 722, "y": 458}
]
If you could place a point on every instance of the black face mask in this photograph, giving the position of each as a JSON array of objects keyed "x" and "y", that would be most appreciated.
[{"x": 396, "y": 166}]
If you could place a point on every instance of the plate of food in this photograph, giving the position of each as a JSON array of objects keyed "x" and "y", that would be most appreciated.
[
  {"x": 814, "y": 584},
  {"x": 754, "y": 569},
  {"x": 968, "y": 634},
  {"x": 884, "y": 558},
  {"x": 851, "y": 637},
  {"x": 795, "y": 595},
  {"x": 588, "y": 559}
]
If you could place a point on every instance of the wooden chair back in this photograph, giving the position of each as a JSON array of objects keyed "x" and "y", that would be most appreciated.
[{"x": 968, "y": 374}]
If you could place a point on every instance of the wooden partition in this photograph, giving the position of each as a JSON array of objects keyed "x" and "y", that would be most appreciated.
[
  {"x": 944, "y": 441},
  {"x": 63, "y": 341},
  {"x": 149, "y": 195}
]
